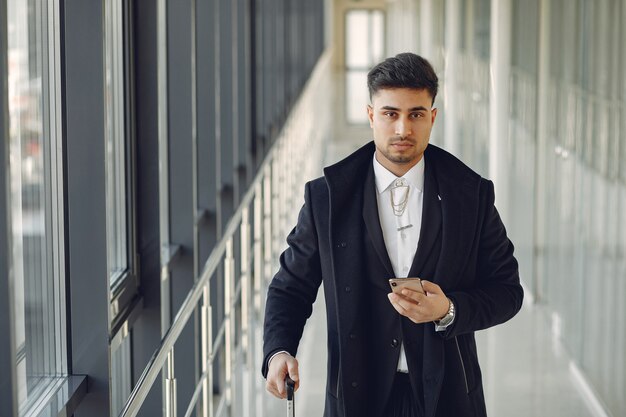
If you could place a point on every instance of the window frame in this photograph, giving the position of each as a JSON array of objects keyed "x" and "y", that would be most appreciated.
[
  {"x": 51, "y": 357},
  {"x": 8, "y": 391},
  {"x": 124, "y": 295}
]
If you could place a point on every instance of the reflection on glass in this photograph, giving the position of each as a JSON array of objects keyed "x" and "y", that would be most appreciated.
[
  {"x": 121, "y": 376},
  {"x": 473, "y": 96},
  {"x": 38, "y": 289},
  {"x": 117, "y": 234},
  {"x": 583, "y": 271}
]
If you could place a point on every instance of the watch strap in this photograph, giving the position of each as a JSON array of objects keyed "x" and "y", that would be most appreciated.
[{"x": 446, "y": 321}]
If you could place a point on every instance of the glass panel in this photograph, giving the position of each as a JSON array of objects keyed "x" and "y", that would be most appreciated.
[
  {"x": 524, "y": 36},
  {"x": 36, "y": 196},
  {"x": 585, "y": 270},
  {"x": 356, "y": 39},
  {"x": 465, "y": 24},
  {"x": 618, "y": 382},
  {"x": 121, "y": 374},
  {"x": 377, "y": 33},
  {"x": 523, "y": 132},
  {"x": 473, "y": 76},
  {"x": 482, "y": 28},
  {"x": 364, "y": 38},
  {"x": 356, "y": 89},
  {"x": 473, "y": 86},
  {"x": 117, "y": 235}
]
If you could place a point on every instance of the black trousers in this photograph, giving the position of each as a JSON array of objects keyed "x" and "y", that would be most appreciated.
[{"x": 402, "y": 402}]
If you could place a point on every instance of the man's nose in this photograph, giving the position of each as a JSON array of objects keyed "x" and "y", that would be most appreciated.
[{"x": 403, "y": 128}]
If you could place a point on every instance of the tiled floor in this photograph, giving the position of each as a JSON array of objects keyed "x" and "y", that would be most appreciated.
[{"x": 525, "y": 370}]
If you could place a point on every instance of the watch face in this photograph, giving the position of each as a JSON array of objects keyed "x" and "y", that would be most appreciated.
[{"x": 446, "y": 320}]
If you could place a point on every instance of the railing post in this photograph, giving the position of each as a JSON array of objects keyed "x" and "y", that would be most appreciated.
[
  {"x": 257, "y": 281},
  {"x": 170, "y": 386},
  {"x": 267, "y": 222},
  {"x": 276, "y": 191},
  {"x": 229, "y": 318},
  {"x": 207, "y": 345},
  {"x": 286, "y": 167},
  {"x": 246, "y": 335},
  {"x": 258, "y": 247},
  {"x": 282, "y": 195}
]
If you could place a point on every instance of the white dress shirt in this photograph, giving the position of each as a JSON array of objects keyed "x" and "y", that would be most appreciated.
[{"x": 401, "y": 244}]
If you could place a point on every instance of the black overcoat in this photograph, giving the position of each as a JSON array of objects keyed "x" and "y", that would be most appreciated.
[{"x": 472, "y": 261}]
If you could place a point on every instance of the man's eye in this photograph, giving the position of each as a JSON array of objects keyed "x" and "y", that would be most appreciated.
[
  {"x": 389, "y": 114},
  {"x": 417, "y": 115}
]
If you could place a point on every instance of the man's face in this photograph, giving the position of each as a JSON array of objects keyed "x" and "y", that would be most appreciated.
[{"x": 401, "y": 120}]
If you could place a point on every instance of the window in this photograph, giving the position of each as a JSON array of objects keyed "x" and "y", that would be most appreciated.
[
  {"x": 117, "y": 178},
  {"x": 364, "y": 38},
  {"x": 36, "y": 197},
  {"x": 119, "y": 140}
]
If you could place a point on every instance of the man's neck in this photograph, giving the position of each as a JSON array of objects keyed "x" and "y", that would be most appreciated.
[{"x": 396, "y": 169}]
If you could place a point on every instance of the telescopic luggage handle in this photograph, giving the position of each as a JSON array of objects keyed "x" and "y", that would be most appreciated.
[{"x": 291, "y": 406}]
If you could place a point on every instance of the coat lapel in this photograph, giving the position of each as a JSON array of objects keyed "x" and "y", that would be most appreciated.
[
  {"x": 372, "y": 222},
  {"x": 459, "y": 210},
  {"x": 431, "y": 222}
]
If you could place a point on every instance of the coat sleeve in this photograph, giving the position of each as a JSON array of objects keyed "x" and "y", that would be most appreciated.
[
  {"x": 496, "y": 295},
  {"x": 293, "y": 289}
]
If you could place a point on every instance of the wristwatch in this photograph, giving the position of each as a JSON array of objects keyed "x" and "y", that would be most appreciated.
[{"x": 447, "y": 320}]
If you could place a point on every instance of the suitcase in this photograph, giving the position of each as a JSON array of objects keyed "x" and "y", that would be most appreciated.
[{"x": 291, "y": 402}]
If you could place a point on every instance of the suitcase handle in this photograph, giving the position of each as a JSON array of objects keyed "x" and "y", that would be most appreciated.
[{"x": 291, "y": 406}]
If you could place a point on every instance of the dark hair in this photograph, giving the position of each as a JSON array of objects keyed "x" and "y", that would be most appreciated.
[{"x": 405, "y": 70}]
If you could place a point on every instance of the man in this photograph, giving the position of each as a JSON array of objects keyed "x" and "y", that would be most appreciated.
[{"x": 397, "y": 207}]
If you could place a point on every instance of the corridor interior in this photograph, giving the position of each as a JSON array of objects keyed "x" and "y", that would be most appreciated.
[
  {"x": 157, "y": 153},
  {"x": 526, "y": 370}
]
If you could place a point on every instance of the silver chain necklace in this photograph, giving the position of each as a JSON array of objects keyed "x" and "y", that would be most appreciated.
[{"x": 398, "y": 208}]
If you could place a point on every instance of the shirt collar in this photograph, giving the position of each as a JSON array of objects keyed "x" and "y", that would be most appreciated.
[{"x": 384, "y": 177}]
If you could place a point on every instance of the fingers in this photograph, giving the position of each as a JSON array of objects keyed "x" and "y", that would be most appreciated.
[
  {"x": 420, "y": 308},
  {"x": 439, "y": 302},
  {"x": 431, "y": 287},
  {"x": 414, "y": 296},
  {"x": 280, "y": 366},
  {"x": 407, "y": 307},
  {"x": 292, "y": 367},
  {"x": 400, "y": 305},
  {"x": 274, "y": 385}
]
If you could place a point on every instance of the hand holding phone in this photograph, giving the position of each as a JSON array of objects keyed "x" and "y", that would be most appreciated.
[{"x": 414, "y": 284}]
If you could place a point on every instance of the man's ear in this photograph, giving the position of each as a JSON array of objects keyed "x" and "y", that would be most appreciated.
[{"x": 370, "y": 115}]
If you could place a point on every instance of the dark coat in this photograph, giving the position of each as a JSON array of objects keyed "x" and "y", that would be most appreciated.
[{"x": 463, "y": 247}]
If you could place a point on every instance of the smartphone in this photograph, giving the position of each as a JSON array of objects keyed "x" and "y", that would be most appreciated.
[{"x": 397, "y": 284}]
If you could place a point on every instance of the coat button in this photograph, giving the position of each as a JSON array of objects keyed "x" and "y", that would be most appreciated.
[
  {"x": 394, "y": 343},
  {"x": 343, "y": 244},
  {"x": 348, "y": 289},
  {"x": 355, "y": 384},
  {"x": 352, "y": 336}
]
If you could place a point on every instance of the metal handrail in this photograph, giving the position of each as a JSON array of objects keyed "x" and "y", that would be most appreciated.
[
  {"x": 158, "y": 360},
  {"x": 153, "y": 369}
]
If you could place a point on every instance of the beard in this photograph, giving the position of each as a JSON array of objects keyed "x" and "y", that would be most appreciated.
[{"x": 398, "y": 157}]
